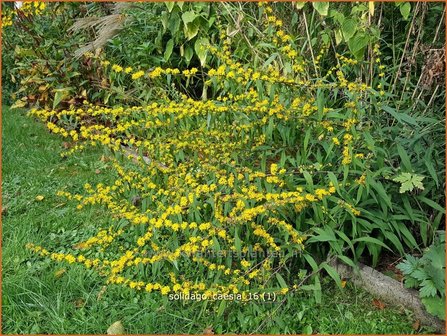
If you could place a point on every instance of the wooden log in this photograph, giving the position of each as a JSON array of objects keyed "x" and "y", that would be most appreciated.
[{"x": 390, "y": 291}]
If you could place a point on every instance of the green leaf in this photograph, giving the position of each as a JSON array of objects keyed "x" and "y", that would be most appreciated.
[
  {"x": 420, "y": 274},
  {"x": 221, "y": 308},
  {"x": 393, "y": 238},
  {"x": 334, "y": 181},
  {"x": 411, "y": 282},
  {"x": 347, "y": 261},
  {"x": 432, "y": 204},
  {"x": 311, "y": 261},
  {"x": 333, "y": 274},
  {"x": 409, "y": 182},
  {"x": 435, "y": 306},
  {"x": 201, "y": 48},
  {"x": 436, "y": 254},
  {"x": 281, "y": 280},
  {"x": 323, "y": 235},
  {"x": 299, "y": 4},
  {"x": 191, "y": 29},
  {"x": 348, "y": 28},
  {"x": 371, "y": 240},
  {"x": 188, "y": 54},
  {"x": 431, "y": 169},
  {"x": 338, "y": 36},
  {"x": 168, "y": 50},
  {"x": 237, "y": 242},
  {"x": 321, "y": 7},
  {"x": 377, "y": 186},
  {"x": 317, "y": 290},
  {"x": 409, "y": 265},
  {"x": 357, "y": 44},
  {"x": 404, "y": 157},
  {"x": 405, "y": 10},
  {"x": 170, "y": 5},
  {"x": 399, "y": 116},
  {"x": 428, "y": 288},
  {"x": 188, "y": 17},
  {"x": 58, "y": 96}
]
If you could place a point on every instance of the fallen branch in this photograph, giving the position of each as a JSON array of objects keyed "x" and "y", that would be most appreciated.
[{"x": 391, "y": 291}]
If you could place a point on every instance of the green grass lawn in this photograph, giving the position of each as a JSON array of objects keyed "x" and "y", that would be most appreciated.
[{"x": 43, "y": 297}]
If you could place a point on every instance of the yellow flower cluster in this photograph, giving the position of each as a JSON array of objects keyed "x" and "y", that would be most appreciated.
[
  {"x": 28, "y": 8},
  {"x": 198, "y": 181}
]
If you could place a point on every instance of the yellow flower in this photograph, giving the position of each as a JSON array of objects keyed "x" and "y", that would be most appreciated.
[
  {"x": 336, "y": 141},
  {"x": 117, "y": 68},
  {"x": 245, "y": 263},
  {"x": 137, "y": 75},
  {"x": 165, "y": 290}
]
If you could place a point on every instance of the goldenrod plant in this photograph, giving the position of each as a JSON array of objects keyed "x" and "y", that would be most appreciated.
[{"x": 243, "y": 171}]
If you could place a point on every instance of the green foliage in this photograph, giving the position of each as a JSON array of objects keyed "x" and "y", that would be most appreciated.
[
  {"x": 400, "y": 129},
  {"x": 427, "y": 274},
  {"x": 409, "y": 182},
  {"x": 35, "y": 300}
]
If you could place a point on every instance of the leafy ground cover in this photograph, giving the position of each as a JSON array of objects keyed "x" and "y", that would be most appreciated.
[{"x": 42, "y": 297}]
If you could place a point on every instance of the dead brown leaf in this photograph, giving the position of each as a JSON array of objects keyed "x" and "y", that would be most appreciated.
[
  {"x": 79, "y": 303},
  {"x": 101, "y": 293},
  {"x": 208, "y": 331},
  {"x": 378, "y": 304},
  {"x": 416, "y": 325}
]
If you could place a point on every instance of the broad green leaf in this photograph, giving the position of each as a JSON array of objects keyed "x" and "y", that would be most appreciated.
[
  {"x": 393, "y": 238},
  {"x": 317, "y": 290},
  {"x": 347, "y": 261},
  {"x": 377, "y": 186},
  {"x": 188, "y": 17},
  {"x": 58, "y": 96},
  {"x": 334, "y": 181},
  {"x": 357, "y": 44},
  {"x": 188, "y": 54},
  {"x": 435, "y": 306},
  {"x": 409, "y": 182},
  {"x": 428, "y": 288},
  {"x": 201, "y": 48},
  {"x": 348, "y": 28},
  {"x": 221, "y": 308},
  {"x": 299, "y": 4},
  {"x": 338, "y": 36},
  {"x": 170, "y": 5},
  {"x": 168, "y": 50},
  {"x": 321, "y": 7},
  {"x": 405, "y": 10},
  {"x": 191, "y": 29}
]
